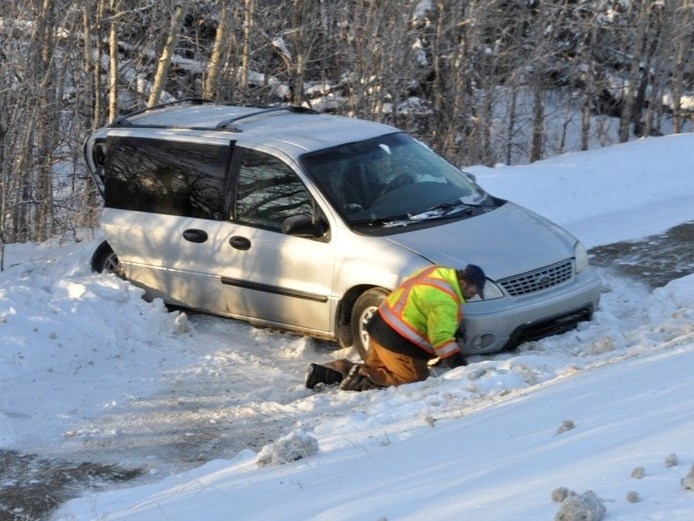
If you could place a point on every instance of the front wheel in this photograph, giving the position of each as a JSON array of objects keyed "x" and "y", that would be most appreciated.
[
  {"x": 364, "y": 308},
  {"x": 105, "y": 260}
]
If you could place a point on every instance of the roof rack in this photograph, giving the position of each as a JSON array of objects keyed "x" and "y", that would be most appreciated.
[
  {"x": 226, "y": 125},
  {"x": 122, "y": 121},
  {"x": 229, "y": 124}
]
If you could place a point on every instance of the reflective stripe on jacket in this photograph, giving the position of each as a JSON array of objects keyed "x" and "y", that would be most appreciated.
[{"x": 426, "y": 310}]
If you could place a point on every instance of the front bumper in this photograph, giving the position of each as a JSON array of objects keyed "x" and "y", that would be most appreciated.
[{"x": 503, "y": 323}]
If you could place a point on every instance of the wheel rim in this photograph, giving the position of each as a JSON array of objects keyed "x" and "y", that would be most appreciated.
[{"x": 111, "y": 264}]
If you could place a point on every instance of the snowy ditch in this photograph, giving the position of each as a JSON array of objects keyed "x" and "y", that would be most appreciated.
[{"x": 121, "y": 389}]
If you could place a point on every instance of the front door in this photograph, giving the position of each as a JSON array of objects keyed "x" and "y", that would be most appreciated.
[{"x": 265, "y": 273}]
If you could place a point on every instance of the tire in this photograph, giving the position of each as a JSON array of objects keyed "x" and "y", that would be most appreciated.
[
  {"x": 105, "y": 260},
  {"x": 364, "y": 308}
]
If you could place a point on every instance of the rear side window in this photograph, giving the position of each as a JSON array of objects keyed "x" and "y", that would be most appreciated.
[{"x": 168, "y": 177}]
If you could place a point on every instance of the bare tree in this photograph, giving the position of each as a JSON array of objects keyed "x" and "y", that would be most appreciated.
[
  {"x": 179, "y": 9},
  {"x": 450, "y": 82},
  {"x": 587, "y": 42},
  {"x": 214, "y": 65},
  {"x": 3, "y": 182},
  {"x": 113, "y": 60},
  {"x": 682, "y": 64},
  {"x": 543, "y": 61},
  {"x": 634, "y": 46},
  {"x": 248, "y": 25}
]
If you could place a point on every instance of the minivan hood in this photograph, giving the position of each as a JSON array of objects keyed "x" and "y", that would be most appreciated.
[{"x": 504, "y": 242}]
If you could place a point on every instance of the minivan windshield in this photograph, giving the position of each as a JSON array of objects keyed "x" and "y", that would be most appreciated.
[{"x": 393, "y": 180}]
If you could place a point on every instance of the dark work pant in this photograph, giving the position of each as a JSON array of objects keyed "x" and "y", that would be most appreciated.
[{"x": 384, "y": 367}]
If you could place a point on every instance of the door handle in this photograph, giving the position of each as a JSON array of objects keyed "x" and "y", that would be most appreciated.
[
  {"x": 240, "y": 243},
  {"x": 193, "y": 235}
]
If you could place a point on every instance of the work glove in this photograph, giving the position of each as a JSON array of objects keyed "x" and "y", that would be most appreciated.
[
  {"x": 461, "y": 335},
  {"x": 454, "y": 361}
]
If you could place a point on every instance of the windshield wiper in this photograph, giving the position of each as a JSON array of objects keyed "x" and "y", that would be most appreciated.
[
  {"x": 395, "y": 220},
  {"x": 437, "y": 211},
  {"x": 445, "y": 209}
]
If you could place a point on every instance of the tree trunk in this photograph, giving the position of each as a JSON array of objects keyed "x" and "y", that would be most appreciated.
[
  {"x": 296, "y": 61},
  {"x": 3, "y": 185},
  {"x": 113, "y": 63},
  {"x": 511, "y": 124},
  {"x": 537, "y": 143},
  {"x": 46, "y": 123},
  {"x": 179, "y": 13},
  {"x": 629, "y": 110},
  {"x": 682, "y": 46},
  {"x": 98, "y": 96},
  {"x": 588, "y": 45},
  {"x": 248, "y": 19},
  {"x": 88, "y": 57},
  {"x": 209, "y": 89}
]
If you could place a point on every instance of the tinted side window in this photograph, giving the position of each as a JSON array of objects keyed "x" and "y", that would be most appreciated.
[
  {"x": 268, "y": 191},
  {"x": 166, "y": 177}
]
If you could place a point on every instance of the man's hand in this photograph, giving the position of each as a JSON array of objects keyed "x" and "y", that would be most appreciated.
[
  {"x": 455, "y": 361},
  {"x": 460, "y": 335}
]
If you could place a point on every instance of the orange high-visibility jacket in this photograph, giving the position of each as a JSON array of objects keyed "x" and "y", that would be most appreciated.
[{"x": 426, "y": 310}]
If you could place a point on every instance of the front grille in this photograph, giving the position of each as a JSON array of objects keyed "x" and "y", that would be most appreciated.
[{"x": 537, "y": 280}]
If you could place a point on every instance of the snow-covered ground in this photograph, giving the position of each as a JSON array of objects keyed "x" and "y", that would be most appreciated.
[{"x": 215, "y": 409}]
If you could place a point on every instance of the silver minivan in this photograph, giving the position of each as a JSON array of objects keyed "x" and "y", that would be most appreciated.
[{"x": 303, "y": 221}]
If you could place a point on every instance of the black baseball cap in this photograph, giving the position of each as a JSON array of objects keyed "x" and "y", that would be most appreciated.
[{"x": 475, "y": 275}]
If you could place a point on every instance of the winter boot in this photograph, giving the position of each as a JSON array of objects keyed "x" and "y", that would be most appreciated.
[
  {"x": 357, "y": 381},
  {"x": 319, "y": 374}
]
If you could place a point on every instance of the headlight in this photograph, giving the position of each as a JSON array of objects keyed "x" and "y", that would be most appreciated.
[
  {"x": 581, "y": 256},
  {"x": 491, "y": 291}
]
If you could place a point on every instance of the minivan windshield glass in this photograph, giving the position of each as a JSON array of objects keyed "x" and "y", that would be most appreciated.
[{"x": 392, "y": 180}]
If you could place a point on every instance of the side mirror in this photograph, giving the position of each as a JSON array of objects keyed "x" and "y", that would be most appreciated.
[{"x": 303, "y": 226}]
